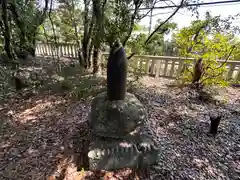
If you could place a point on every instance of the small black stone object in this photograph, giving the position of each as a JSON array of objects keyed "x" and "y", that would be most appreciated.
[
  {"x": 215, "y": 121},
  {"x": 116, "y": 72},
  {"x": 19, "y": 84}
]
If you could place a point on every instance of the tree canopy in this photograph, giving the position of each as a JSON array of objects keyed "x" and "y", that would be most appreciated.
[{"x": 94, "y": 25}]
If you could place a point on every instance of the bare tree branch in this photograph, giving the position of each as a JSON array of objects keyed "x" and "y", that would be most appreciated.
[
  {"x": 226, "y": 59},
  {"x": 164, "y": 22},
  {"x": 137, "y": 4},
  {"x": 229, "y": 54},
  {"x": 153, "y": 5},
  {"x": 216, "y": 75},
  {"x": 44, "y": 13}
]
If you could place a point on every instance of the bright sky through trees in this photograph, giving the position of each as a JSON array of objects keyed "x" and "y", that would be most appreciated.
[{"x": 184, "y": 17}]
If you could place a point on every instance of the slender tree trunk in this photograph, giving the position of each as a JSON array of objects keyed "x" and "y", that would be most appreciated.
[
  {"x": 27, "y": 35},
  {"x": 32, "y": 49},
  {"x": 99, "y": 14},
  {"x": 90, "y": 54},
  {"x": 83, "y": 55},
  {"x": 19, "y": 23},
  {"x": 96, "y": 53},
  {"x": 72, "y": 15},
  {"x": 22, "y": 41},
  {"x": 54, "y": 36},
  {"x": 96, "y": 50},
  {"x": 87, "y": 41},
  {"x": 74, "y": 24},
  {"x": 6, "y": 33},
  {"x": 137, "y": 5}
]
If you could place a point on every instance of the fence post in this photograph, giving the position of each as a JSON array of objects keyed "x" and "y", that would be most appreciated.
[
  {"x": 180, "y": 67},
  {"x": 157, "y": 69},
  {"x": 238, "y": 76},
  {"x": 172, "y": 68},
  {"x": 165, "y": 67},
  {"x": 230, "y": 71},
  {"x": 147, "y": 65}
]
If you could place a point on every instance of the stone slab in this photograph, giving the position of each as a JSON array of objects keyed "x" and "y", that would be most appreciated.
[{"x": 116, "y": 154}]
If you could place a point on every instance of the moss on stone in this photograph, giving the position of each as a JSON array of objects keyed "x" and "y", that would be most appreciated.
[{"x": 116, "y": 118}]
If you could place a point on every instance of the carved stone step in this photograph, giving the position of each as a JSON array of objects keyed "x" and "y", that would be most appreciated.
[{"x": 121, "y": 154}]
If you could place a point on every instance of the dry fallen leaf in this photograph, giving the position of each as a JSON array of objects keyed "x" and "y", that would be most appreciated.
[
  {"x": 51, "y": 178},
  {"x": 50, "y": 131}
]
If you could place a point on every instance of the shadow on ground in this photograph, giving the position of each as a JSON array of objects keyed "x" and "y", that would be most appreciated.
[
  {"x": 45, "y": 135},
  {"x": 47, "y": 138},
  {"x": 179, "y": 119},
  {"x": 34, "y": 137}
]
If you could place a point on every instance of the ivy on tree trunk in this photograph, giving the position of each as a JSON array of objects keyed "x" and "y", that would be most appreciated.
[
  {"x": 28, "y": 30},
  {"x": 6, "y": 33}
]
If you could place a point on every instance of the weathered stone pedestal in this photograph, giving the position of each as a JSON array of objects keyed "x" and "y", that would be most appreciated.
[{"x": 121, "y": 138}]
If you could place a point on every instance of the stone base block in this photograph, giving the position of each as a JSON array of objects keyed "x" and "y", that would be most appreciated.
[
  {"x": 116, "y": 119},
  {"x": 121, "y": 154}
]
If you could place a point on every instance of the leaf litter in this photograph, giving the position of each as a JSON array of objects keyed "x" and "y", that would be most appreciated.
[{"x": 47, "y": 137}]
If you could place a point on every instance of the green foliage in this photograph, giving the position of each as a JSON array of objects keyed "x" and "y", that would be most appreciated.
[
  {"x": 64, "y": 18},
  {"x": 136, "y": 44},
  {"x": 66, "y": 84},
  {"x": 202, "y": 40},
  {"x": 120, "y": 19},
  {"x": 82, "y": 87},
  {"x": 82, "y": 172},
  {"x": 156, "y": 45},
  {"x": 27, "y": 17},
  {"x": 3, "y": 79},
  {"x": 87, "y": 87},
  {"x": 236, "y": 52}
]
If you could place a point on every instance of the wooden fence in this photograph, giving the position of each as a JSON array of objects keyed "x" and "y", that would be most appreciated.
[
  {"x": 62, "y": 49},
  {"x": 158, "y": 66}
]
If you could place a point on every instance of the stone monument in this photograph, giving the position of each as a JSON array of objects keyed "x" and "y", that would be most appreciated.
[{"x": 121, "y": 137}]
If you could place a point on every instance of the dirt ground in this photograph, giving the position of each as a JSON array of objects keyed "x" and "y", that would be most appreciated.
[{"x": 45, "y": 135}]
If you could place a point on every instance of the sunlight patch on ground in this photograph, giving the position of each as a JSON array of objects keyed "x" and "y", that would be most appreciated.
[
  {"x": 67, "y": 170},
  {"x": 34, "y": 112}
]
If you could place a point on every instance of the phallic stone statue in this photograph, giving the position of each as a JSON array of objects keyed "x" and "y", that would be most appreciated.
[
  {"x": 116, "y": 72},
  {"x": 118, "y": 121}
]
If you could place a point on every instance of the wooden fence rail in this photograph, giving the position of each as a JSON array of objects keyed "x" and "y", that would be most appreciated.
[
  {"x": 158, "y": 66},
  {"x": 61, "y": 49}
]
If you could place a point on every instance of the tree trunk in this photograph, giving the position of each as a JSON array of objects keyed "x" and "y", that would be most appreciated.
[
  {"x": 32, "y": 39},
  {"x": 21, "y": 26},
  {"x": 85, "y": 55},
  {"x": 27, "y": 35},
  {"x": 99, "y": 15},
  {"x": 75, "y": 25},
  {"x": 96, "y": 58},
  {"x": 198, "y": 71},
  {"x": 22, "y": 41},
  {"x": 6, "y": 33},
  {"x": 90, "y": 55},
  {"x": 32, "y": 49},
  {"x": 84, "y": 52}
]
